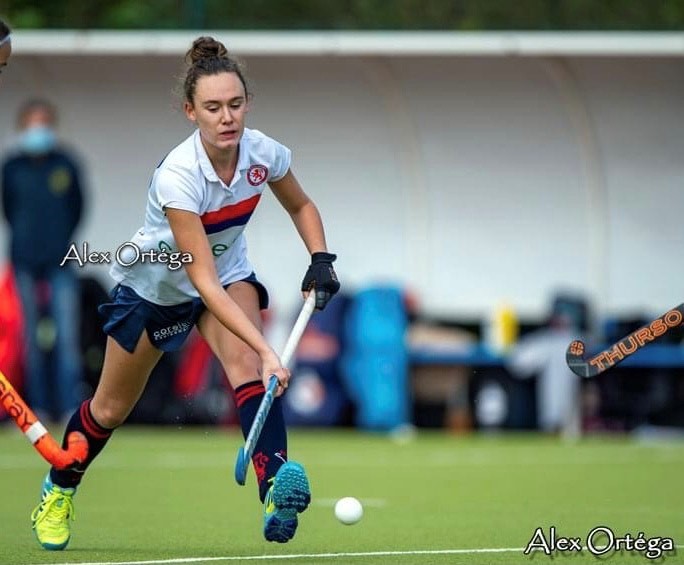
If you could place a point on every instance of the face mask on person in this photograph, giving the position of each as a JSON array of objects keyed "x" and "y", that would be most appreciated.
[{"x": 37, "y": 140}]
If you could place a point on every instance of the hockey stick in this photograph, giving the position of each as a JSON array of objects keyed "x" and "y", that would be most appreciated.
[
  {"x": 37, "y": 434},
  {"x": 245, "y": 453},
  {"x": 627, "y": 346}
]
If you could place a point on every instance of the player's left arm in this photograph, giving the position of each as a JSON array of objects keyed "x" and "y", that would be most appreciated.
[
  {"x": 302, "y": 210},
  {"x": 307, "y": 220}
]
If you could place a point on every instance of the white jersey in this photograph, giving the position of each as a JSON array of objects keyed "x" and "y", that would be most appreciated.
[{"x": 186, "y": 180}]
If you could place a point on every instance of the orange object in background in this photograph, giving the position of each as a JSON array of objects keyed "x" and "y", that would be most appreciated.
[
  {"x": 37, "y": 434},
  {"x": 11, "y": 328}
]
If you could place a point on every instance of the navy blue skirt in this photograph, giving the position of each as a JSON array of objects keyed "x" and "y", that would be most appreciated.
[{"x": 128, "y": 314}]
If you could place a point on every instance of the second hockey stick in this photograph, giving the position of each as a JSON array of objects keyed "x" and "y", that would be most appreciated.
[
  {"x": 245, "y": 452},
  {"x": 627, "y": 346},
  {"x": 77, "y": 445}
]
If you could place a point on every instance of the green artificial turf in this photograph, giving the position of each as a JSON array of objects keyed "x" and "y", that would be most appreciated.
[{"x": 160, "y": 494}]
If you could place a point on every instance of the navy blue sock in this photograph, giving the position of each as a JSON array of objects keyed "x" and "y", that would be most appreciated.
[
  {"x": 270, "y": 451},
  {"x": 97, "y": 436}
]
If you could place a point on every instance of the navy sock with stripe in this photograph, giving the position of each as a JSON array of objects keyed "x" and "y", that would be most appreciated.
[
  {"x": 97, "y": 436},
  {"x": 270, "y": 451}
]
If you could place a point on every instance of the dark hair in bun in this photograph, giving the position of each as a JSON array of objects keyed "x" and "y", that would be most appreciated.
[
  {"x": 206, "y": 57},
  {"x": 205, "y": 48}
]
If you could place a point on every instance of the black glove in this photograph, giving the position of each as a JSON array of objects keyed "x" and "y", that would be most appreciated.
[{"x": 321, "y": 276}]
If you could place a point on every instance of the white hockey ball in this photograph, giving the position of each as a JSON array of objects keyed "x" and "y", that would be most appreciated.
[{"x": 348, "y": 510}]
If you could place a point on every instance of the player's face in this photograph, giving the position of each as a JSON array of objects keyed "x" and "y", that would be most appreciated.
[
  {"x": 219, "y": 109},
  {"x": 5, "y": 52}
]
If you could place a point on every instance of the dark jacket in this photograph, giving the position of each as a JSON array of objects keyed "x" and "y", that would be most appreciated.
[{"x": 42, "y": 200}]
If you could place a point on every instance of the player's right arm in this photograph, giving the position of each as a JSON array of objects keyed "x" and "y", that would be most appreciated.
[{"x": 189, "y": 235}]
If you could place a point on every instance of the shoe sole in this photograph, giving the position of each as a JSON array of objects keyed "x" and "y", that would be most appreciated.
[
  {"x": 291, "y": 495},
  {"x": 53, "y": 546},
  {"x": 291, "y": 489}
]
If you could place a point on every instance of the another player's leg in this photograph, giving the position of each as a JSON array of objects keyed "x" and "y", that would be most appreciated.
[
  {"x": 283, "y": 486},
  {"x": 123, "y": 379}
]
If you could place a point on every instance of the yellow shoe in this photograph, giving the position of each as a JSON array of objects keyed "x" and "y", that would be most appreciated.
[{"x": 51, "y": 517}]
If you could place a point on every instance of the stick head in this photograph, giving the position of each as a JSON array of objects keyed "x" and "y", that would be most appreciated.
[
  {"x": 77, "y": 447},
  {"x": 241, "y": 466},
  {"x": 574, "y": 357}
]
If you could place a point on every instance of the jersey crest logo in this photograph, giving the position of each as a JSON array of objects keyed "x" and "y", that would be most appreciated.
[{"x": 257, "y": 174}]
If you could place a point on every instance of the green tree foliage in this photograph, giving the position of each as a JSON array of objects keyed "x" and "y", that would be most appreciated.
[{"x": 347, "y": 14}]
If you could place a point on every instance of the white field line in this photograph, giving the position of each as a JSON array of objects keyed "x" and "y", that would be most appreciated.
[
  {"x": 303, "y": 556},
  {"x": 308, "y": 556}
]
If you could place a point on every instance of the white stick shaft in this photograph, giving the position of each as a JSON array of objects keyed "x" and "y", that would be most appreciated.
[
  {"x": 298, "y": 329},
  {"x": 290, "y": 346}
]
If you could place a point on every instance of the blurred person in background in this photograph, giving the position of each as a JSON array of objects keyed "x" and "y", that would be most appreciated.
[
  {"x": 541, "y": 354},
  {"x": 42, "y": 201},
  {"x": 5, "y": 44}
]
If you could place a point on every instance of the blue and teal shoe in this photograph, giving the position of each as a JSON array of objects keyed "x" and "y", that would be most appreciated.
[
  {"x": 288, "y": 495},
  {"x": 50, "y": 519}
]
